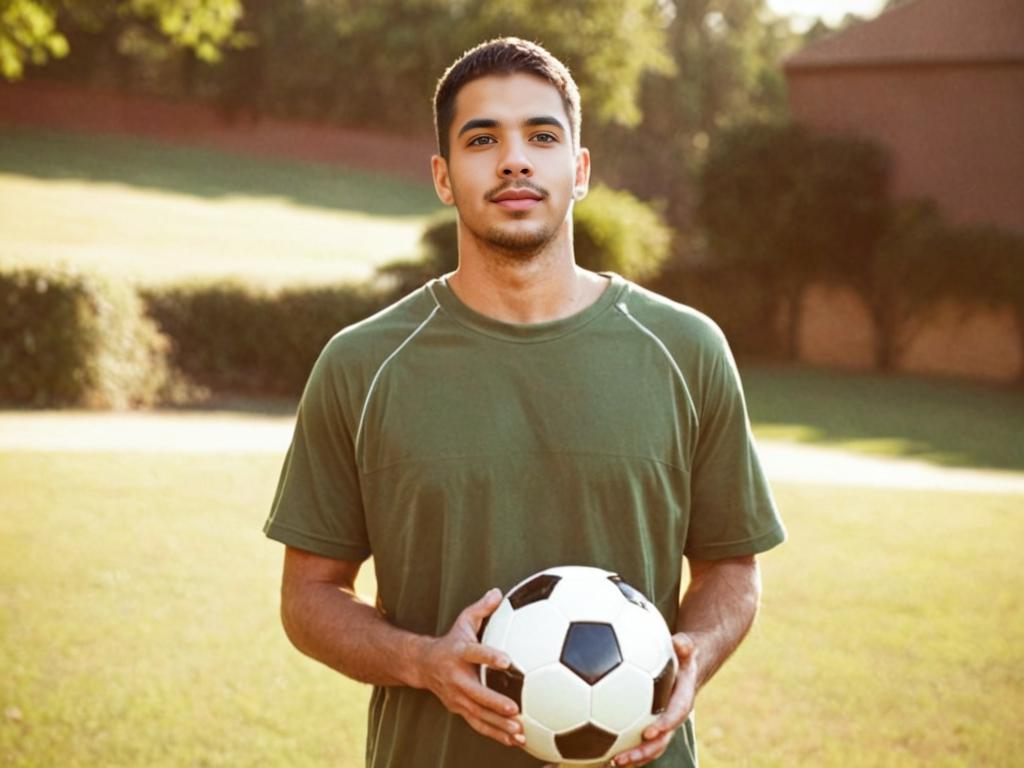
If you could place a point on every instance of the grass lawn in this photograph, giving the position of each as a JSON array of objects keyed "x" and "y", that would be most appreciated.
[
  {"x": 155, "y": 213},
  {"x": 945, "y": 421},
  {"x": 138, "y": 626}
]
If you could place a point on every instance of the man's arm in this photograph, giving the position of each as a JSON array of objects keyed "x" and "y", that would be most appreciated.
[
  {"x": 715, "y": 614},
  {"x": 326, "y": 620}
]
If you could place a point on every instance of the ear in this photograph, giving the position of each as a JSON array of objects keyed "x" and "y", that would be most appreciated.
[
  {"x": 442, "y": 181},
  {"x": 582, "y": 184}
]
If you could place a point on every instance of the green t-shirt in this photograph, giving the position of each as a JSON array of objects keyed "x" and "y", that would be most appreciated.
[{"x": 465, "y": 453}]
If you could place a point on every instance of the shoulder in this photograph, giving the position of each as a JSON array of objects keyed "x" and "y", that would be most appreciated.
[
  {"x": 369, "y": 342},
  {"x": 685, "y": 331}
]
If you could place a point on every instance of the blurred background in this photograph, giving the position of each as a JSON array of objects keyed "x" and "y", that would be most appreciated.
[{"x": 195, "y": 195}]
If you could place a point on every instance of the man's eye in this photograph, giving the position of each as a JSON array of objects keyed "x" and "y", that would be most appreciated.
[
  {"x": 479, "y": 141},
  {"x": 546, "y": 138}
]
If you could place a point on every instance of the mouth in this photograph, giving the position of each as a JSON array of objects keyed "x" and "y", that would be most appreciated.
[{"x": 518, "y": 199}]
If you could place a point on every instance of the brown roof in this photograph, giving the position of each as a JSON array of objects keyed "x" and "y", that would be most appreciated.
[{"x": 925, "y": 32}]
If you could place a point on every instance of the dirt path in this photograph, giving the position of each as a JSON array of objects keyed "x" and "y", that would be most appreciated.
[{"x": 231, "y": 432}]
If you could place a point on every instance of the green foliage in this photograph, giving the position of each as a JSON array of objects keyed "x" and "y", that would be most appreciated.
[
  {"x": 236, "y": 338},
  {"x": 69, "y": 339},
  {"x": 28, "y": 33},
  {"x": 612, "y": 231},
  {"x": 30, "y": 30},
  {"x": 793, "y": 207},
  {"x": 724, "y": 56}
]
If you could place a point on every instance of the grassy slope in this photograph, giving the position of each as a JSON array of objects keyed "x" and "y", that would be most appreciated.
[
  {"x": 158, "y": 213},
  {"x": 138, "y": 627}
]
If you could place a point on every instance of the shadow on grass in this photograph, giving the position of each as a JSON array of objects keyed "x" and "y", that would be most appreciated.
[
  {"x": 943, "y": 421},
  {"x": 206, "y": 173}
]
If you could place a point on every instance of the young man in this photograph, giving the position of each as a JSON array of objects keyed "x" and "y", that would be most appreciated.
[{"x": 515, "y": 414}]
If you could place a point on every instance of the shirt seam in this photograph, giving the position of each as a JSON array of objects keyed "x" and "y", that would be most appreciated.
[
  {"x": 475, "y": 455},
  {"x": 624, "y": 310}
]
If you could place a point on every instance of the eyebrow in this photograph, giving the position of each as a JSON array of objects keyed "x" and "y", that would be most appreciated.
[{"x": 484, "y": 122}]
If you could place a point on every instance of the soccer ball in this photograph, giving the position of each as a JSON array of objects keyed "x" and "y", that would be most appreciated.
[{"x": 592, "y": 662}]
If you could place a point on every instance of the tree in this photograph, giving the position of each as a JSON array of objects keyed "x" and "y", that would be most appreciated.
[
  {"x": 725, "y": 56},
  {"x": 31, "y": 30},
  {"x": 793, "y": 208}
]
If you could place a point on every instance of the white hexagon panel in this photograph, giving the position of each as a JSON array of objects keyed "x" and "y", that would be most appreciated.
[
  {"x": 535, "y": 636},
  {"x": 496, "y": 628},
  {"x": 540, "y": 741},
  {"x": 556, "y": 698},
  {"x": 622, "y": 698},
  {"x": 644, "y": 637},
  {"x": 588, "y": 599}
]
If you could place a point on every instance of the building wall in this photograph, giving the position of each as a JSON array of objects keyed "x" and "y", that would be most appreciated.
[
  {"x": 957, "y": 340},
  {"x": 956, "y": 131}
]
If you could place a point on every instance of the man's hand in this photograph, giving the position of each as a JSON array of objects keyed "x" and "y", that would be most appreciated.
[
  {"x": 659, "y": 733},
  {"x": 448, "y": 668}
]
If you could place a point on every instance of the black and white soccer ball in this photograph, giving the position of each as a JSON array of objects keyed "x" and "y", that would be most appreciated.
[{"x": 592, "y": 662}]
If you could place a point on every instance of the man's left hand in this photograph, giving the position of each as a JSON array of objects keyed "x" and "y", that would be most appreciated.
[{"x": 659, "y": 733}]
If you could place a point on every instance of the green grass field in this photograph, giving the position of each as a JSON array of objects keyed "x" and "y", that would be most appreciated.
[
  {"x": 156, "y": 213},
  {"x": 944, "y": 421},
  {"x": 138, "y": 626}
]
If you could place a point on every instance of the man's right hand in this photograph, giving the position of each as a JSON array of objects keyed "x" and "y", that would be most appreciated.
[{"x": 448, "y": 668}]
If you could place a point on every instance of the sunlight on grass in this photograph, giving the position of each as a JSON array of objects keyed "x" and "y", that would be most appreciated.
[
  {"x": 155, "y": 213},
  {"x": 138, "y": 626},
  {"x": 152, "y": 237}
]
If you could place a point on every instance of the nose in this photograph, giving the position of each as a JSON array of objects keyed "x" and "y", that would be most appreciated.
[{"x": 515, "y": 162}]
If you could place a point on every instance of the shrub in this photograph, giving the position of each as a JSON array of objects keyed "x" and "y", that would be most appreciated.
[
  {"x": 231, "y": 337},
  {"x": 72, "y": 339},
  {"x": 612, "y": 231},
  {"x": 793, "y": 207}
]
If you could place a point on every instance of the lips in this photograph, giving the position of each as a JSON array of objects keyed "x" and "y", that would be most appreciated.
[{"x": 517, "y": 199}]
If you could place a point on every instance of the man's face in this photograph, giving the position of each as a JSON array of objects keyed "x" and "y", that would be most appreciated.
[{"x": 512, "y": 172}]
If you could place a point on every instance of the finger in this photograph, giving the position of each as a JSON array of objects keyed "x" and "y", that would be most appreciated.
[
  {"x": 491, "y": 732},
  {"x": 484, "y": 697},
  {"x": 645, "y": 753},
  {"x": 684, "y": 646},
  {"x": 474, "y": 614},
  {"x": 494, "y": 719},
  {"x": 678, "y": 709},
  {"x": 476, "y": 653}
]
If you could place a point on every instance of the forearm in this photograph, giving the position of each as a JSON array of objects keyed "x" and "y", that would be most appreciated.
[
  {"x": 718, "y": 610},
  {"x": 335, "y": 627}
]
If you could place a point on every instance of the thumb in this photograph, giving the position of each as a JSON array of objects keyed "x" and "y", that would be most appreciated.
[
  {"x": 683, "y": 645},
  {"x": 483, "y": 607}
]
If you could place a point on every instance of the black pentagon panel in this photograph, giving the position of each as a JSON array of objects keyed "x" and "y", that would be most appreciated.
[
  {"x": 586, "y": 743},
  {"x": 507, "y": 682},
  {"x": 591, "y": 650},
  {"x": 663, "y": 684},
  {"x": 536, "y": 589},
  {"x": 632, "y": 594}
]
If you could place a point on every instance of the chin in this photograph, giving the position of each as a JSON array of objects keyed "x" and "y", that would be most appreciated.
[{"x": 519, "y": 241}]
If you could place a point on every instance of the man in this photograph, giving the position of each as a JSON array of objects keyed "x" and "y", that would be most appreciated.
[{"x": 516, "y": 414}]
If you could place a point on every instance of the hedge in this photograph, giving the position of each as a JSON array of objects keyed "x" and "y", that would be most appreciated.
[
  {"x": 69, "y": 339},
  {"x": 230, "y": 337}
]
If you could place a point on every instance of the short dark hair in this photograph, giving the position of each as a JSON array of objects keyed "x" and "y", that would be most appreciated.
[{"x": 502, "y": 56}]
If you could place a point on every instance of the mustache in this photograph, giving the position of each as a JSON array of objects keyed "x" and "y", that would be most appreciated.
[{"x": 491, "y": 194}]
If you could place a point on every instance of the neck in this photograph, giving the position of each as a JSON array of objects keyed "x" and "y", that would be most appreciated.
[{"x": 516, "y": 288}]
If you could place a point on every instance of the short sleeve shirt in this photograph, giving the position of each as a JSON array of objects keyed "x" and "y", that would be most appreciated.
[{"x": 465, "y": 453}]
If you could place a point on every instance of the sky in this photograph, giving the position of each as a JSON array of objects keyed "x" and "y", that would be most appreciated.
[{"x": 832, "y": 11}]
